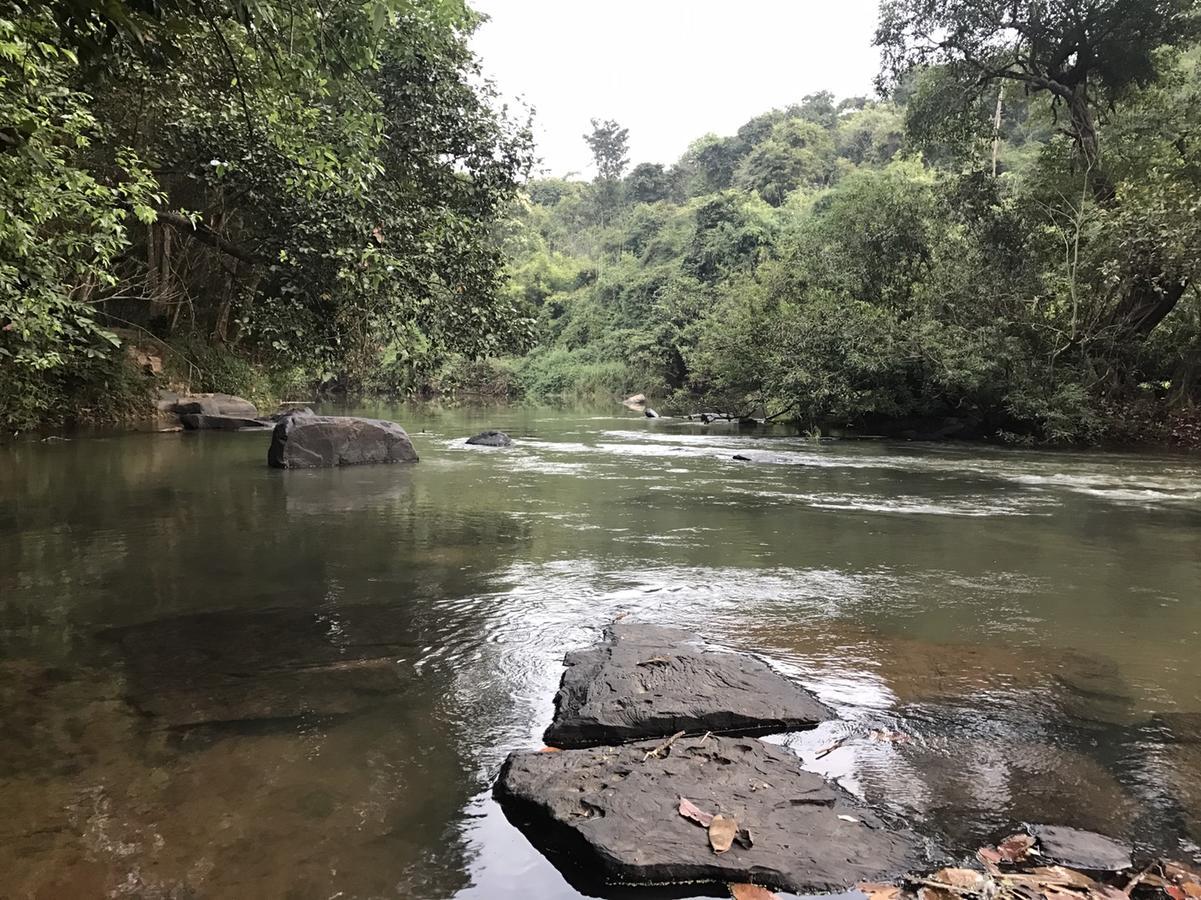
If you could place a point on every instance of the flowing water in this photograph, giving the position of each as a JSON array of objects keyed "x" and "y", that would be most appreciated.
[{"x": 1030, "y": 620}]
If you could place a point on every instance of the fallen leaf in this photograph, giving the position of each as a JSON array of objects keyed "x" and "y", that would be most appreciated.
[
  {"x": 721, "y": 833},
  {"x": 551, "y": 750},
  {"x": 690, "y": 810},
  {"x": 1192, "y": 890},
  {"x": 1176, "y": 893},
  {"x": 1182, "y": 872},
  {"x": 1063, "y": 876},
  {"x": 968, "y": 879},
  {"x": 883, "y": 736},
  {"x": 936, "y": 893},
  {"x": 750, "y": 892},
  {"x": 848, "y": 818},
  {"x": 877, "y": 891},
  {"x": 991, "y": 859},
  {"x": 1015, "y": 848}
]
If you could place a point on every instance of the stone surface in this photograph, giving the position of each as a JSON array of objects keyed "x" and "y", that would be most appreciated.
[
  {"x": 288, "y": 411},
  {"x": 205, "y": 422},
  {"x": 1079, "y": 849},
  {"x": 491, "y": 439},
  {"x": 646, "y": 681},
  {"x": 615, "y": 811},
  {"x": 310, "y": 442},
  {"x": 216, "y": 405}
]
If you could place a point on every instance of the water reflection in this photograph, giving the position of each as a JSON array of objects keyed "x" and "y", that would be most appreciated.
[{"x": 229, "y": 681}]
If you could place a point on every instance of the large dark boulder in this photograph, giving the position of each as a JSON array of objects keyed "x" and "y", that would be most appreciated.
[
  {"x": 616, "y": 812},
  {"x": 491, "y": 439},
  {"x": 216, "y": 405},
  {"x": 647, "y": 681},
  {"x": 311, "y": 442},
  {"x": 1079, "y": 849}
]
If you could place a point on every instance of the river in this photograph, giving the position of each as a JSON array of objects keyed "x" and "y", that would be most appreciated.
[{"x": 1031, "y": 621}]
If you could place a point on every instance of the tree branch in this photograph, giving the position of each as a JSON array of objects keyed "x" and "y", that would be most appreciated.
[{"x": 206, "y": 235}]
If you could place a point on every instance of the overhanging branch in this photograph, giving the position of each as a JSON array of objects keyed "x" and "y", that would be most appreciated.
[{"x": 206, "y": 235}]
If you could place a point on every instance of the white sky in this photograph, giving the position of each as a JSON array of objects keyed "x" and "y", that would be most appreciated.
[{"x": 669, "y": 70}]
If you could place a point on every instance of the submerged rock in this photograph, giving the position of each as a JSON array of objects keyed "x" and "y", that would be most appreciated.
[
  {"x": 1079, "y": 849},
  {"x": 216, "y": 405},
  {"x": 205, "y": 422},
  {"x": 491, "y": 439},
  {"x": 616, "y": 811},
  {"x": 309, "y": 442},
  {"x": 277, "y": 664},
  {"x": 648, "y": 681}
]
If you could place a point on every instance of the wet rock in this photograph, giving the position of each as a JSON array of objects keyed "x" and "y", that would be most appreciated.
[
  {"x": 216, "y": 405},
  {"x": 309, "y": 442},
  {"x": 205, "y": 422},
  {"x": 646, "y": 681},
  {"x": 1079, "y": 849},
  {"x": 650, "y": 413},
  {"x": 290, "y": 411},
  {"x": 491, "y": 439},
  {"x": 615, "y": 810},
  {"x": 740, "y": 458},
  {"x": 635, "y": 400}
]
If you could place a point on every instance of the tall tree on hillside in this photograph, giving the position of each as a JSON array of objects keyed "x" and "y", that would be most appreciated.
[
  {"x": 1084, "y": 56},
  {"x": 610, "y": 146}
]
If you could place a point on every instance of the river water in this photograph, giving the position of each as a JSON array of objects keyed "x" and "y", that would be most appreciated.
[{"x": 1030, "y": 621}]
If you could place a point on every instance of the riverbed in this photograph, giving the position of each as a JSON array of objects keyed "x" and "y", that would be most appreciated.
[{"x": 1030, "y": 622}]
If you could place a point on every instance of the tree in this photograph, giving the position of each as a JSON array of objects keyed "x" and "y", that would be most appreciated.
[
  {"x": 798, "y": 153},
  {"x": 1085, "y": 55},
  {"x": 610, "y": 145}
]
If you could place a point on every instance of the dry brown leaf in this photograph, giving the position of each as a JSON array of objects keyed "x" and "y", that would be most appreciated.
[
  {"x": 1181, "y": 872},
  {"x": 551, "y": 750},
  {"x": 936, "y": 893},
  {"x": 751, "y": 892},
  {"x": 721, "y": 833},
  {"x": 883, "y": 736},
  {"x": 1192, "y": 890},
  {"x": 1015, "y": 848},
  {"x": 1062, "y": 876},
  {"x": 968, "y": 879},
  {"x": 991, "y": 859},
  {"x": 1175, "y": 892},
  {"x": 690, "y": 810},
  {"x": 878, "y": 891}
]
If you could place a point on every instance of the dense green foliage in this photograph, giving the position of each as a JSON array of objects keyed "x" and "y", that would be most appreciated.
[
  {"x": 959, "y": 259},
  {"x": 303, "y": 185}
]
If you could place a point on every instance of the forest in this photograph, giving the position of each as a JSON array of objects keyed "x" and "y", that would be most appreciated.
[{"x": 1003, "y": 243}]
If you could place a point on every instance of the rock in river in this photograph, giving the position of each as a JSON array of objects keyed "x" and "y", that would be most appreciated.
[
  {"x": 310, "y": 442},
  {"x": 648, "y": 681},
  {"x": 207, "y": 422},
  {"x": 491, "y": 439},
  {"x": 1079, "y": 849},
  {"x": 216, "y": 405},
  {"x": 616, "y": 811}
]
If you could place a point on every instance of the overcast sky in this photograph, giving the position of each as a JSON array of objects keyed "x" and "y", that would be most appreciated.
[{"x": 669, "y": 70}]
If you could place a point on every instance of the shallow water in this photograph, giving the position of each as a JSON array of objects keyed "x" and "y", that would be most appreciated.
[{"x": 1030, "y": 620}]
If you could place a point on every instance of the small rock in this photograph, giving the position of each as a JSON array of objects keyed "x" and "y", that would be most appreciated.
[
  {"x": 647, "y": 680},
  {"x": 491, "y": 439},
  {"x": 1079, "y": 849},
  {"x": 650, "y": 413},
  {"x": 636, "y": 400},
  {"x": 741, "y": 458}
]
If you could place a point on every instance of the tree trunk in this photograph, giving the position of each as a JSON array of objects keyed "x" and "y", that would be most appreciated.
[{"x": 1145, "y": 304}]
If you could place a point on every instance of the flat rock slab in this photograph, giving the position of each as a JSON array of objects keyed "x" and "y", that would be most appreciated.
[
  {"x": 615, "y": 811},
  {"x": 1079, "y": 849},
  {"x": 646, "y": 681},
  {"x": 216, "y": 405},
  {"x": 206, "y": 422},
  {"x": 314, "y": 442}
]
